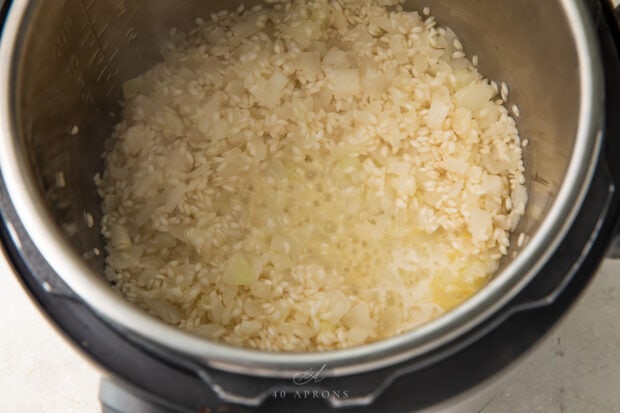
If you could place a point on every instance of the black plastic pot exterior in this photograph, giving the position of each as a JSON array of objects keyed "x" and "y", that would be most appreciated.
[{"x": 175, "y": 383}]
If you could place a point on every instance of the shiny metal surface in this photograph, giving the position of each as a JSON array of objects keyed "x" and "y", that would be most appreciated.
[{"x": 62, "y": 66}]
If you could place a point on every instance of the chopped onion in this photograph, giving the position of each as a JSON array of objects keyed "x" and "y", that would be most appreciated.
[
  {"x": 474, "y": 96},
  {"x": 346, "y": 82},
  {"x": 132, "y": 87},
  {"x": 309, "y": 63},
  {"x": 479, "y": 223},
  {"x": 119, "y": 237},
  {"x": 440, "y": 106},
  {"x": 239, "y": 272},
  {"x": 336, "y": 59}
]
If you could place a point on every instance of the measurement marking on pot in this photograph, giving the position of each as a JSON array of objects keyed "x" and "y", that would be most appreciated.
[
  {"x": 113, "y": 55},
  {"x": 97, "y": 42},
  {"x": 93, "y": 57},
  {"x": 92, "y": 41},
  {"x": 62, "y": 39},
  {"x": 103, "y": 29},
  {"x": 86, "y": 38},
  {"x": 131, "y": 34},
  {"x": 96, "y": 58},
  {"x": 103, "y": 71},
  {"x": 112, "y": 88},
  {"x": 121, "y": 9},
  {"x": 65, "y": 30}
]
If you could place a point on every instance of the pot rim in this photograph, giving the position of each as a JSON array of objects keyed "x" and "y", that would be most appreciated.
[{"x": 98, "y": 295}]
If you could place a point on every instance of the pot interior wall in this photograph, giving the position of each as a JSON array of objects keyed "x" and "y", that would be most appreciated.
[{"x": 75, "y": 54}]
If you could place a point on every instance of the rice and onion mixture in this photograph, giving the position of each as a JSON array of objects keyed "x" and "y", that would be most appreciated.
[{"x": 309, "y": 176}]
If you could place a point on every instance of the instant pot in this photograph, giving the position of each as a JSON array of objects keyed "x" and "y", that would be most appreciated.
[{"x": 63, "y": 63}]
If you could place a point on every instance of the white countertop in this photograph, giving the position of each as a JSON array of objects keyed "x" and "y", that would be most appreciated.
[
  {"x": 39, "y": 370},
  {"x": 576, "y": 370}
]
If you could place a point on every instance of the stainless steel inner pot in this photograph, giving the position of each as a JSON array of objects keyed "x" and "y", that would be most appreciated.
[{"x": 62, "y": 66}]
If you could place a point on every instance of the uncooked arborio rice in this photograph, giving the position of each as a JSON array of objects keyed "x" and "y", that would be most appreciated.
[{"x": 308, "y": 176}]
